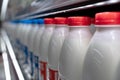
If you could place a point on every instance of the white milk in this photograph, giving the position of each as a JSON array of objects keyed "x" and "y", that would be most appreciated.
[
  {"x": 23, "y": 35},
  {"x": 74, "y": 48},
  {"x": 30, "y": 43},
  {"x": 102, "y": 61},
  {"x": 27, "y": 66},
  {"x": 14, "y": 32},
  {"x": 14, "y": 27},
  {"x": 10, "y": 28},
  {"x": 44, "y": 43},
  {"x": 31, "y": 36},
  {"x": 35, "y": 37},
  {"x": 18, "y": 36},
  {"x": 27, "y": 28},
  {"x": 55, "y": 46}
]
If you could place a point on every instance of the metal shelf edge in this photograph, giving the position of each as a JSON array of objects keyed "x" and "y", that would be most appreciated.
[{"x": 109, "y": 2}]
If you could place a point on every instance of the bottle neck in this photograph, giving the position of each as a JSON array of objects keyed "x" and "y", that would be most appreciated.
[
  {"x": 49, "y": 25},
  {"x": 61, "y": 26},
  {"x": 73, "y": 28},
  {"x": 108, "y": 32},
  {"x": 41, "y": 25},
  {"x": 108, "y": 28}
]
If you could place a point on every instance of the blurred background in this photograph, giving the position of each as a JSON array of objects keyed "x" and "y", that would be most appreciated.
[
  {"x": 23, "y": 7},
  {"x": 15, "y": 11}
]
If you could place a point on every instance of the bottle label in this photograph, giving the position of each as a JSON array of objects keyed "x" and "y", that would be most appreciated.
[
  {"x": 43, "y": 70},
  {"x": 53, "y": 74},
  {"x": 18, "y": 44},
  {"x": 36, "y": 65},
  {"x": 25, "y": 50},
  {"x": 31, "y": 64}
]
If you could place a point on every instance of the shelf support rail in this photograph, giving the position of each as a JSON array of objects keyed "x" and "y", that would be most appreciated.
[
  {"x": 12, "y": 56},
  {"x": 5, "y": 60}
]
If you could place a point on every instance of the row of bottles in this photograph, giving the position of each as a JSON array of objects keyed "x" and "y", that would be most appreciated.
[{"x": 63, "y": 48}]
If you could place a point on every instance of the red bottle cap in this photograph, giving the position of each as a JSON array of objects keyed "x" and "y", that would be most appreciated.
[
  {"x": 49, "y": 20},
  {"x": 60, "y": 20},
  {"x": 107, "y": 18},
  {"x": 79, "y": 21}
]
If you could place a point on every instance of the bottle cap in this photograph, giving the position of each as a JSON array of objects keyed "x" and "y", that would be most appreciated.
[
  {"x": 107, "y": 18},
  {"x": 60, "y": 20},
  {"x": 49, "y": 20},
  {"x": 79, "y": 21},
  {"x": 40, "y": 21}
]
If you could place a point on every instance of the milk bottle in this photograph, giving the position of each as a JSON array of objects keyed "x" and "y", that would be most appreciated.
[
  {"x": 37, "y": 36},
  {"x": 30, "y": 43},
  {"x": 55, "y": 46},
  {"x": 21, "y": 38},
  {"x": 44, "y": 43},
  {"x": 22, "y": 33},
  {"x": 18, "y": 37},
  {"x": 27, "y": 65},
  {"x": 13, "y": 27},
  {"x": 102, "y": 61},
  {"x": 27, "y": 28},
  {"x": 74, "y": 48},
  {"x": 34, "y": 37},
  {"x": 37, "y": 39},
  {"x": 14, "y": 36}
]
